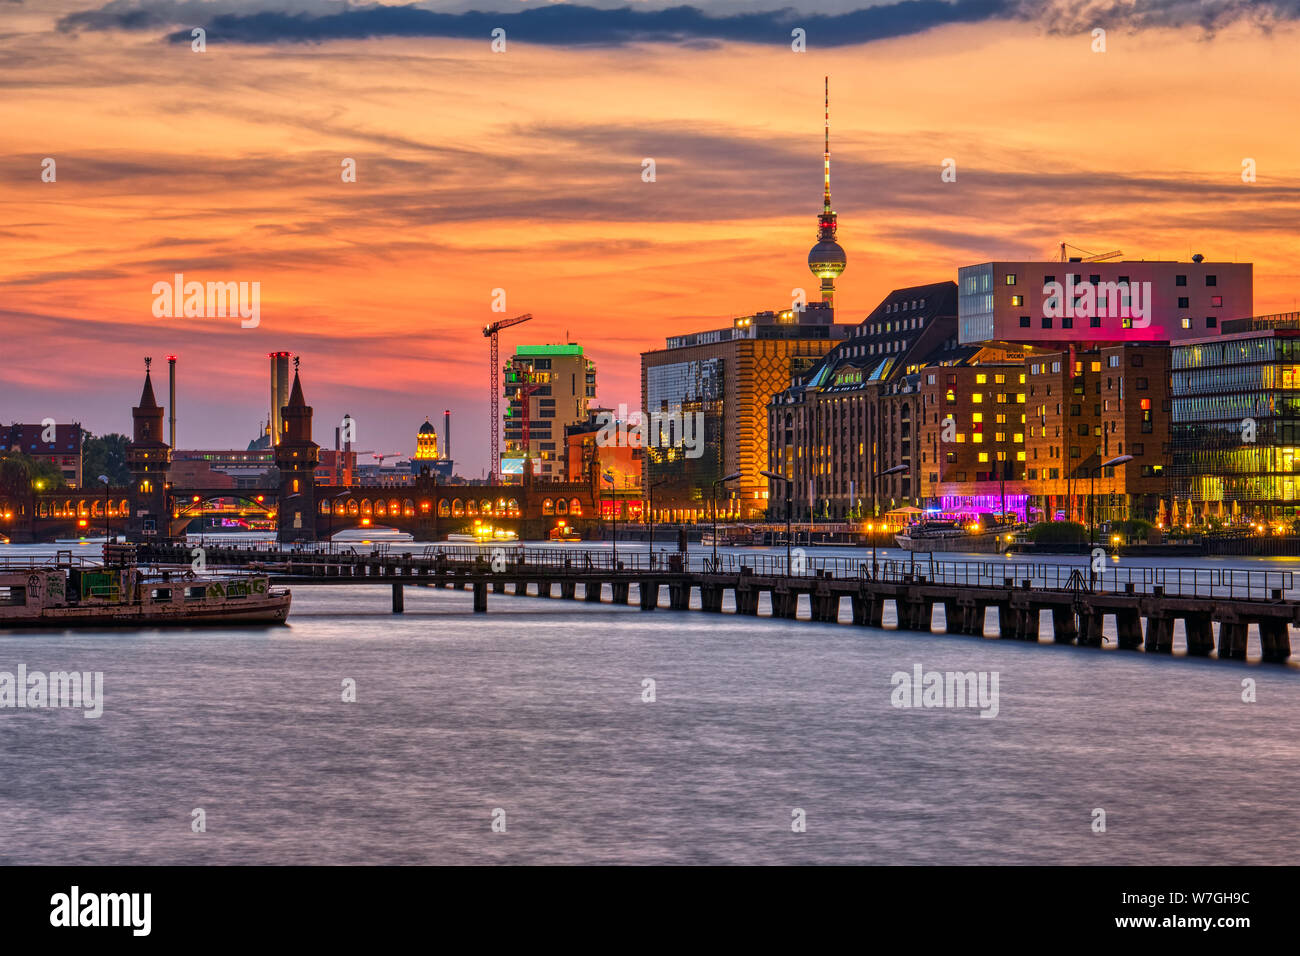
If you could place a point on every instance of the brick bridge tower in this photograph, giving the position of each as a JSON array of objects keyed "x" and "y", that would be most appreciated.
[
  {"x": 296, "y": 455},
  {"x": 149, "y": 459}
]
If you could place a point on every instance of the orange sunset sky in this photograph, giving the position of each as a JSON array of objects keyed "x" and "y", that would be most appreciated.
[{"x": 522, "y": 170}]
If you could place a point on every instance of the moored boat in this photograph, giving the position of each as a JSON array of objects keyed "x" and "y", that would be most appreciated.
[
  {"x": 72, "y": 593},
  {"x": 952, "y": 536}
]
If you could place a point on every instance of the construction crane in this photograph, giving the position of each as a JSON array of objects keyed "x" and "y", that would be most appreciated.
[
  {"x": 494, "y": 384},
  {"x": 1089, "y": 256}
]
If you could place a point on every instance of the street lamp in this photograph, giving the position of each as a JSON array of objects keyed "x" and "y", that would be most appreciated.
[
  {"x": 714, "y": 498},
  {"x": 789, "y": 487},
  {"x": 650, "y": 506},
  {"x": 609, "y": 476},
  {"x": 104, "y": 479},
  {"x": 1092, "y": 495},
  {"x": 875, "y": 507}
]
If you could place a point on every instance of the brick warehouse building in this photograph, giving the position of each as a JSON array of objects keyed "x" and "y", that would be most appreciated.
[
  {"x": 1086, "y": 408},
  {"x": 972, "y": 432}
]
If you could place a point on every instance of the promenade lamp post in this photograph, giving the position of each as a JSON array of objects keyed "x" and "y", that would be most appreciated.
[
  {"x": 789, "y": 488},
  {"x": 714, "y": 499},
  {"x": 613, "y": 492},
  {"x": 650, "y": 507},
  {"x": 104, "y": 479},
  {"x": 1092, "y": 494},
  {"x": 875, "y": 507}
]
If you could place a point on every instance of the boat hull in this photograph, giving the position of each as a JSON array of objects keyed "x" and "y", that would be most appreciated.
[
  {"x": 273, "y": 609},
  {"x": 977, "y": 543}
]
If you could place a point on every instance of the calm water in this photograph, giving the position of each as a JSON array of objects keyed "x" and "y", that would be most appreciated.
[{"x": 535, "y": 708}]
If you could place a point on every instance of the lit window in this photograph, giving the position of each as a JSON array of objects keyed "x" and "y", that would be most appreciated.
[
  {"x": 1011, "y": 278},
  {"x": 1017, "y": 300},
  {"x": 977, "y": 398},
  {"x": 977, "y": 417},
  {"x": 984, "y": 456},
  {"x": 1186, "y": 323},
  {"x": 981, "y": 378}
]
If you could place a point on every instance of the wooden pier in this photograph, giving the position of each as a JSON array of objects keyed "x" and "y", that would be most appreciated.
[{"x": 1145, "y": 603}]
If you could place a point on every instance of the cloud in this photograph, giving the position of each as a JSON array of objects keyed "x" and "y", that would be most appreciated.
[
  {"x": 560, "y": 24},
  {"x": 576, "y": 25}
]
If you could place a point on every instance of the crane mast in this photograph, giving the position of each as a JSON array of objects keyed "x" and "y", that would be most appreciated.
[{"x": 492, "y": 332}]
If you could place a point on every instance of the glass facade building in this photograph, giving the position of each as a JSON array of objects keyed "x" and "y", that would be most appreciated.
[
  {"x": 1236, "y": 419},
  {"x": 694, "y": 389}
]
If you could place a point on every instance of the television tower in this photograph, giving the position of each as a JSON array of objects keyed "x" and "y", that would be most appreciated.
[{"x": 826, "y": 260}]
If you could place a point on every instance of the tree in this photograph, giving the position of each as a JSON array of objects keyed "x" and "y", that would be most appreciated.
[
  {"x": 22, "y": 472},
  {"x": 105, "y": 455}
]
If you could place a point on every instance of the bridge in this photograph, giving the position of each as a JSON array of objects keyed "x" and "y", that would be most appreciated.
[
  {"x": 1144, "y": 603},
  {"x": 300, "y": 508}
]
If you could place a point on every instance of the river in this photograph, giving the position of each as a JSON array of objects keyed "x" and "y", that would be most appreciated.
[{"x": 535, "y": 716}]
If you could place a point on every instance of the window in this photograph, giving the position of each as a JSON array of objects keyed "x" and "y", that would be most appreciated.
[
  {"x": 1212, "y": 280},
  {"x": 1137, "y": 450},
  {"x": 1011, "y": 278},
  {"x": 1094, "y": 321},
  {"x": 1094, "y": 279},
  {"x": 1017, "y": 300},
  {"x": 1186, "y": 323},
  {"x": 1184, "y": 302},
  {"x": 1056, "y": 366},
  {"x": 1142, "y": 385},
  {"x": 1180, "y": 280},
  {"x": 1112, "y": 361},
  {"x": 1083, "y": 431},
  {"x": 1216, "y": 301},
  {"x": 977, "y": 417},
  {"x": 1137, "y": 361},
  {"x": 981, "y": 379},
  {"x": 1067, "y": 321},
  {"x": 1074, "y": 451},
  {"x": 1211, "y": 321},
  {"x": 984, "y": 456},
  {"x": 1024, "y": 322},
  {"x": 1094, "y": 366},
  {"x": 977, "y": 398}
]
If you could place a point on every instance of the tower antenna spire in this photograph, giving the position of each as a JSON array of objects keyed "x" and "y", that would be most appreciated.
[
  {"x": 826, "y": 260},
  {"x": 827, "y": 158}
]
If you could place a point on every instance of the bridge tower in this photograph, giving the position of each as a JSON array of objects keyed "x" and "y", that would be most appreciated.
[
  {"x": 149, "y": 458},
  {"x": 296, "y": 455}
]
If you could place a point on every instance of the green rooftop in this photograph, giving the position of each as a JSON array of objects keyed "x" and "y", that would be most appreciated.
[{"x": 549, "y": 350}]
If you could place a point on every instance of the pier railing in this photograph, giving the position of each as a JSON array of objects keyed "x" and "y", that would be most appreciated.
[{"x": 1210, "y": 583}]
